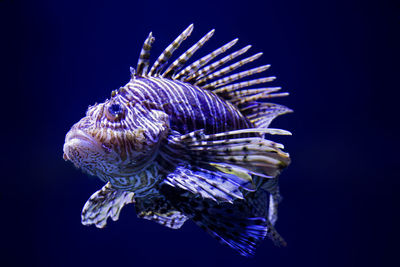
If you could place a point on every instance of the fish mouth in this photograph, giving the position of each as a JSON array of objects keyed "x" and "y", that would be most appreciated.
[{"x": 76, "y": 140}]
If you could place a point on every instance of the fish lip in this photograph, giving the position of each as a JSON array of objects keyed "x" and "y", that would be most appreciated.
[
  {"x": 81, "y": 135},
  {"x": 84, "y": 139}
]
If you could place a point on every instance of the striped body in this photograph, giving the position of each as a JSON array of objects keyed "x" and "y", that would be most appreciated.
[
  {"x": 187, "y": 142},
  {"x": 189, "y": 107}
]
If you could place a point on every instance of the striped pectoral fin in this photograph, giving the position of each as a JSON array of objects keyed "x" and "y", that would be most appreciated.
[
  {"x": 210, "y": 184},
  {"x": 241, "y": 157},
  {"x": 222, "y": 166},
  {"x": 104, "y": 203}
]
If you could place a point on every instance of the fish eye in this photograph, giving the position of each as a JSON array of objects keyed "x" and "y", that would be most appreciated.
[{"x": 114, "y": 111}]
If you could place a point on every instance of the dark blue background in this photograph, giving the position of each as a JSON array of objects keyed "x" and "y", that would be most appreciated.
[{"x": 339, "y": 61}]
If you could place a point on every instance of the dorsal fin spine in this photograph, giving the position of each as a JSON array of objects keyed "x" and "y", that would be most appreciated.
[
  {"x": 178, "y": 63},
  {"x": 182, "y": 75},
  {"x": 209, "y": 76},
  {"x": 237, "y": 86},
  {"x": 143, "y": 62},
  {"x": 255, "y": 97},
  {"x": 228, "y": 69},
  {"x": 236, "y": 76},
  {"x": 167, "y": 53},
  {"x": 210, "y": 68},
  {"x": 237, "y": 95}
]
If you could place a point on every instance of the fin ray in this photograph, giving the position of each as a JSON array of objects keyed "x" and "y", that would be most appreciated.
[
  {"x": 178, "y": 63},
  {"x": 211, "y": 185},
  {"x": 167, "y": 53},
  {"x": 144, "y": 57},
  {"x": 241, "y": 225},
  {"x": 227, "y": 69},
  {"x": 189, "y": 70},
  {"x": 200, "y": 73},
  {"x": 104, "y": 203},
  {"x": 234, "y": 77},
  {"x": 159, "y": 210},
  {"x": 210, "y": 68}
]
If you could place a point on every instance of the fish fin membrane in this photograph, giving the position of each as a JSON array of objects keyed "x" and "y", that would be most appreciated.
[
  {"x": 214, "y": 185},
  {"x": 160, "y": 210},
  {"x": 271, "y": 186},
  {"x": 259, "y": 204},
  {"x": 104, "y": 203},
  {"x": 241, "y": 225},
  {"x": 262, "y": 114},
  {"x": 232, "y": 154}
]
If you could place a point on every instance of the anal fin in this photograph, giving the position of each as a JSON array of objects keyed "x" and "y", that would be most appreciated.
[{"x": 160, "y": 211}]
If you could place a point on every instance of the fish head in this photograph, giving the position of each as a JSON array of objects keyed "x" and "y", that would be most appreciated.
[{"x": 115, "y": 138}]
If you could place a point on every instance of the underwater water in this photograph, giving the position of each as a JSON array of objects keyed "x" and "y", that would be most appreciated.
[{"x": 334, "y": 57}]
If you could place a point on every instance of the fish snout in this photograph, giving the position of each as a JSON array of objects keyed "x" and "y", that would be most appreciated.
[{"x": 78, "y": 145}]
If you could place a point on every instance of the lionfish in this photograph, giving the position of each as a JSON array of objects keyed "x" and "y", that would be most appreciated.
[{"x": 187, "y": 143}]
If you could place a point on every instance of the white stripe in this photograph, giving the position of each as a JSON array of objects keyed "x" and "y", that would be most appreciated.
[
  {"x": 185, "y": 102},
  {"x": 168, "y": 90},
  {"x": 194, "y": 92},
  {"x": 147, "y": 89}
]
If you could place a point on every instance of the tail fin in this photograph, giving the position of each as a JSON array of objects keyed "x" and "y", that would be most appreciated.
[
  {"x": 241, "y": 234},
  {"x": 241, "y": 225}
]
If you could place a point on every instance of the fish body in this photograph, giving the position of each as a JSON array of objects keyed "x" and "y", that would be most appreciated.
[
  {"x": 186, "y": 143},
  {"x": 188, "y": 107}
]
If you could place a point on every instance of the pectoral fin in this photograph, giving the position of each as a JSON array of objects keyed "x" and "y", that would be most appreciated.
[
  {"x": 214, "y": 185},
  {"x": 222, "y": 166},
  {"x": 104, "y": 203}
]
